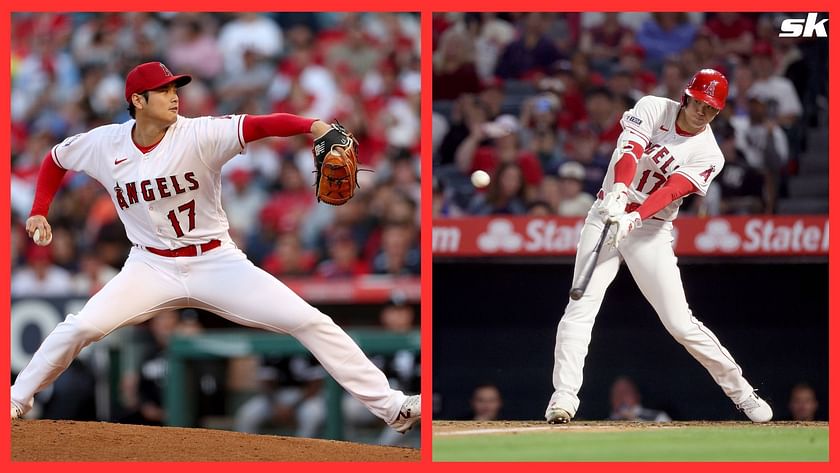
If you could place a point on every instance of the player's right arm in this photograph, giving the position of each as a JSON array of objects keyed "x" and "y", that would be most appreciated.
[
  {"x": 81, "y": 152},
  {"x": 49, "y": 179},
  {"x": 637, "y": 124}
]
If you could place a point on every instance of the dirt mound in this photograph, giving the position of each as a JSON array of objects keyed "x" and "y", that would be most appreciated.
[{"x": 66, "y": 441}]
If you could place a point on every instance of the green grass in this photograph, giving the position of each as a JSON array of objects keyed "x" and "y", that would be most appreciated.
[{"x": 748, "y": 443}]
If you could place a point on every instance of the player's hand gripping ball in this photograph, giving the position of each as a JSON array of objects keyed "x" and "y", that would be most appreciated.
[
  {"x": 480, "y": 179},
  {"x": 336, "y": 165},
  {"x": 36, "y": 237}
]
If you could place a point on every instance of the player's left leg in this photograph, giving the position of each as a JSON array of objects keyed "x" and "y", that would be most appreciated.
[
  {"x": 653, "y": 264},
  {"x": 225, "y": 282}
]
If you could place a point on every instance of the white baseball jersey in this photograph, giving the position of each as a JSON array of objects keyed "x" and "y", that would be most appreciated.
[
  {"x": 169, "y": 197},
  {"x": 696, "y": 157}
]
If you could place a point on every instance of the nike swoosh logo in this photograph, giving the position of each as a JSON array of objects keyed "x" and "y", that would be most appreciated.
[
  {"x": 120, "y": 161},
  {"x": 663, "y": 128}
]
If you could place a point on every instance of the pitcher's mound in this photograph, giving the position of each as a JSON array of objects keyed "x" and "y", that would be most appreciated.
[{"x": 68, "y": 441}]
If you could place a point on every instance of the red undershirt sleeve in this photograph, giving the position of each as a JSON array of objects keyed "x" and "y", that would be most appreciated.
[
  {"x": 676, "y": 187},
  {"x": 256, "y": 127},
  {"x": 625, "y": 167},
  {"x": 49, "y": 179}
]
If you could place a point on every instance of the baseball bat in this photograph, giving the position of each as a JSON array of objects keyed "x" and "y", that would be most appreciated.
[{"x": 579, "y": 284}]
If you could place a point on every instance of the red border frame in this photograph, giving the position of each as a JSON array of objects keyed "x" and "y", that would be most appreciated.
[{"x": 426, "y": 7}]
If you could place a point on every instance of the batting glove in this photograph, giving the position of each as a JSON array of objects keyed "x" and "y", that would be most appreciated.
[
  {"x": 614, "y": 203},
  {"x": 624, "y": 224}
]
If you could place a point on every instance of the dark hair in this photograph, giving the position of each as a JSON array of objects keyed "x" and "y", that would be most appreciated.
[
  {"x": 600, "y": 90},
  {"x": 131, "y": 110}
]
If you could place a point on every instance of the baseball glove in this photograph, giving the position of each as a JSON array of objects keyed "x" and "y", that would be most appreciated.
[{"x": 336, "y": 165}]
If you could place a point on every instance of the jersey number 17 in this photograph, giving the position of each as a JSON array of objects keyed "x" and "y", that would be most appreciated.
[{"x": 189, "y": 207}]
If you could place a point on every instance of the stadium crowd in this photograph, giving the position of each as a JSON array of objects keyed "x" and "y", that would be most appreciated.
[
  {"x": 68, "y": 73},
  {"x": 535, "y": 99}
]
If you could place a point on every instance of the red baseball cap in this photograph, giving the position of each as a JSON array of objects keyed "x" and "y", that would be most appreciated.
[{"x": 150, "y": 76}]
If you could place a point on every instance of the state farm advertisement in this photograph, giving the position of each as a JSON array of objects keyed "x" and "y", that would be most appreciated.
[{"x": 757, "y": 235}]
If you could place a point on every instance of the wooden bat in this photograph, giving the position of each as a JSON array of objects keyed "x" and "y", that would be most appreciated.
[{"x": 579, "y": 284}]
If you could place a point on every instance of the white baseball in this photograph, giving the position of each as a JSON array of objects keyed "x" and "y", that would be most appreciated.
[
  {"x": 36, "y": 237},
  {"x": 480, "y": 179}
]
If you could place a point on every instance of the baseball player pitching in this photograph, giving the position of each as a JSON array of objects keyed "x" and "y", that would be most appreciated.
[
  {"x": 163, "y": 173},
  {"x": 665, "y": 152}
]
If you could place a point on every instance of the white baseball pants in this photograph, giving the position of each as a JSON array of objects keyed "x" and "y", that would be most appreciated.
[
  {"x": 222, "y": 281},
  {"x": 651, "y": 260}
]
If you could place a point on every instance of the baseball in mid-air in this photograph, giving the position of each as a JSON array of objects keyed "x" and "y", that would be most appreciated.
[
  {"x": 36, "y": 237},
  {"x": 480, "y": 178}
]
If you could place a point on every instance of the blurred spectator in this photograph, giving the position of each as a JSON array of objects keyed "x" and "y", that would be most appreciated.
[
  {"x": 41, "y": 277},
  {"x": 400, "y": 254},
  {"x": 576, "y": 77},
  {"x": 291, "y": 396},
  {"x": 626, "y": 403},
  {"x": 803, "y": 403},
  {"x": 739, "y": 188},
  {"x": 705, "y": 54},
  {"x": 403, "y": 172},
  {"x": 539, "y": 208},
  {"x": 665, "y": 34},
  {"x": 773, "y": 88},
  {"x": 243, "y": 202},
  {"x": 532, "y": 54},
  {"x": 504, "y": 133},
  {"x": 491, "y": 34},
  {"x": 93, "y": 274},
  {"x": 252, "y": 31},
  {"x": 733, "y": 31},
  {"x": 288, "y": 208},
  {"x": 740, "y": 87},
  {"x": 539, "y": 119},
  {"x": 251, "y": 82},
  {"x": 604, "y": 112},
  {"x": 603, "y": 42},
  {"x": 95, "y": 40},
  {"x": 505, "y": 194},
  {"x": 357, "y": 52},
  {"x": 584, "y": 148},
  {"x": 632, "y": 60},
  {"x": 192, "y": 48},
  {"x": 443, "y": 202},
  {"x": 142, "y": 390},
  {"x": 765, "y": 146},
  {"x": 454, "y": 66},
  {"x": 574, "y": 202},
  {"x": 486, "y": 402},
  {"x": 623, "y": 87},
  {"x": 343, "y": 256},
  {"x": 672, "y": 81},
  {"x": 289, "y": 258}
]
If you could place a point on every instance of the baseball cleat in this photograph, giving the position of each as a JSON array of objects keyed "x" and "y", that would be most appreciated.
[
  {"x": 756, "y": 408},
  {"x": 556, "y": 415},
  {"x": 408, "y": 416},
  {"x": 16, "y": 412}
]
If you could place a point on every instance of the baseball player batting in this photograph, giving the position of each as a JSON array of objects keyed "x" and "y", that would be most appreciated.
[
  {"x": 163, "y": 173},
  {"x": 666, "y": 151}
]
